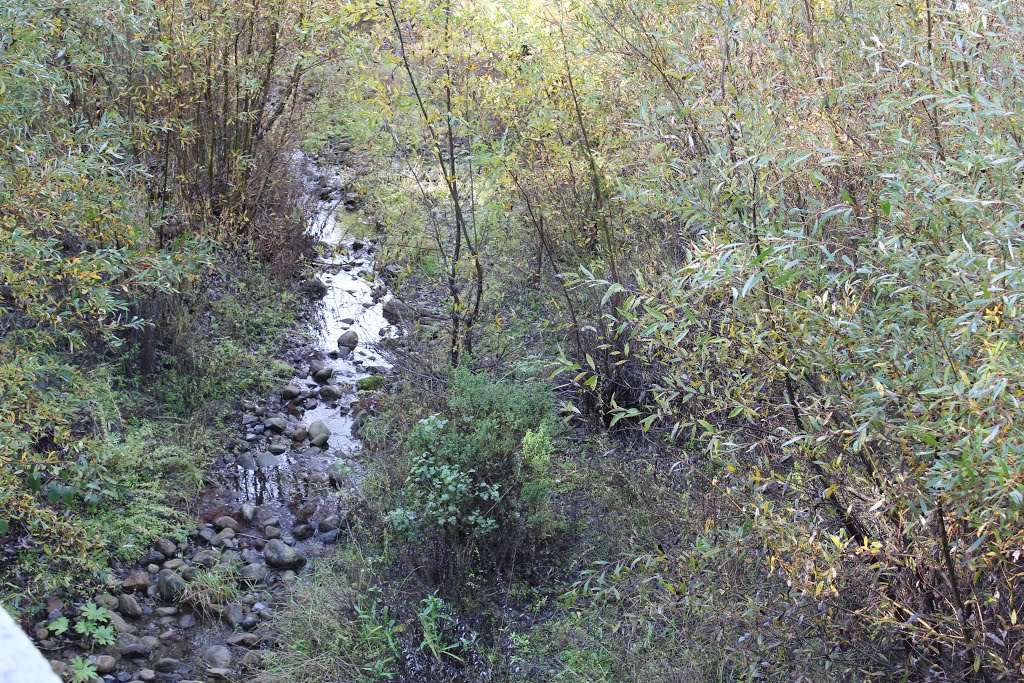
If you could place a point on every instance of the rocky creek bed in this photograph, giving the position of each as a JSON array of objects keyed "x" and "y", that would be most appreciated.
[{"x": 273, "y": 504}]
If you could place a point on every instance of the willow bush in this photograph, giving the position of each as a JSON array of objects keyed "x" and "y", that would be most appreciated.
[
  {"x": 840, "y": 321},
  {"x": 799, "y": 229}
]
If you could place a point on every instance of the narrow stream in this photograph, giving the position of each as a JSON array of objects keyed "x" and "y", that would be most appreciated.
[
  {"x": 283, "y": 482},
  {"x": 281, "y": 472}
]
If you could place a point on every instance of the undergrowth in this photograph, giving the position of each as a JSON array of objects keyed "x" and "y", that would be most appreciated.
[{"x": 149, "y": 439}]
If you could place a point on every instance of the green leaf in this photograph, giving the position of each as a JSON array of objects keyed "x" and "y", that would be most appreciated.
[{"x": 59, "y": 626}]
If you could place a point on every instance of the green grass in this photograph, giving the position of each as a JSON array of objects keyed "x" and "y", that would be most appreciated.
[
  {"x": 333, "y": 626},
  {"x": 226, "y": 352},
  {"x": 213, "y": 588}
]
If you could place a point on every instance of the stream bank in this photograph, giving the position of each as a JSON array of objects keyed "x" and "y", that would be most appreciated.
[{"x": 198, "y": 608}]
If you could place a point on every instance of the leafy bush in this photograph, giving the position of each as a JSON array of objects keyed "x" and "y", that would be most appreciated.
[{"x": 480, "y": 471}]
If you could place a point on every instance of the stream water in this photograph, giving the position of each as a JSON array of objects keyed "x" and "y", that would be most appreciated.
[{"x": 353, "y": 303}]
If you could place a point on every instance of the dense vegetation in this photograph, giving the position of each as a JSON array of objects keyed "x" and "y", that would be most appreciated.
[
  {"x": 124, "y": 177},
  {"x": 724, "y": 375}
]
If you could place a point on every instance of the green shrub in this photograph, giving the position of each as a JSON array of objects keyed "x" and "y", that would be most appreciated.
[{"x": 480, "y": 471}]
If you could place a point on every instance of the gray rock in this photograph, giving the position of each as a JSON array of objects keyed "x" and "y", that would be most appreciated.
[
  {"x": 106, "y": 600},
  {"x": 291, "y": 392},
  {"x": 272, "y": 532},
  {"x": 167, "y": 664},
  {"x": 248, "y": 511},
  {"x": 187, "y": 621},
  {"x": 246, "y": 461},
  {"x": 226, "y": 522},
  {"x": 310, "y": 404},
  {"x": 119, "y": 624},
  {"x": 330, "y": 537},
  {"x": 266, "y": 460},
  {"x": 154, "y": 556},
  {"x": 280, "y": 556},
  {"x": 169, "y": 585},
  {"x": 207, "y": 557},
  {"x": 251, "y": 556},
  {"x": 167, "y": 547},
  {"x": 253, "y": 573},
  {"x": 302, "y": 531},
  {"x": 330, "y": 523},
  {"x": 277, "y": 448},
  {"x": 300, "y": 434},
  {"x": 137, "y": 647},
  {"x": 136, "y": 581},
  {"x": 348, "y": 340},
  {"x": 217, "y": 656},
  {"x": 276, "y": 424},
  {"x": 319, "y": 441},
  {"x": 330, "y": 392},
  {"x": 243, "y": 639},
  {"x": 233, "y": 615},
  {"x": 222, "y": 537},
  {"x": 146, "y": 675},
  {"x": 129, "y": 606},
  {"x": 104, "y": 664},
  {"x": 318, "y": 428},
  {"x": 320, "y": 372}
]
